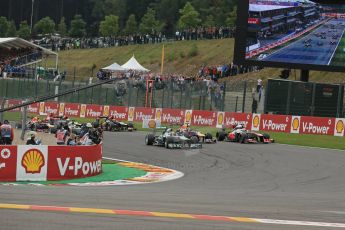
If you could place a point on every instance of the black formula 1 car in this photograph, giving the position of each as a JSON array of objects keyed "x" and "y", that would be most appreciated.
[
  {"x": 171, "y": 140},
  {"x": 241, "y": 135},
  {"x": 112, "y": 125}
]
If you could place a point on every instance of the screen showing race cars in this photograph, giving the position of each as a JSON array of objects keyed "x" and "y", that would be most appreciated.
[{"x": 296, "y": 32}]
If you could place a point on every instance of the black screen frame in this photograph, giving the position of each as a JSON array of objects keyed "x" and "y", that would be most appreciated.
[{"x": 241, "y": 38}]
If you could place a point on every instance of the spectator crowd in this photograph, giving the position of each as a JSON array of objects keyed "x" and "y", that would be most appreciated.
[
  {"x": 10, "y": 59},
  {"x": 57, "y": 43}
]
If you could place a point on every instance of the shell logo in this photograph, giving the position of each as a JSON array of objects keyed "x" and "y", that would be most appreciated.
[
  {"x": 33, "y": 161},
  {"x": 340, "y": 126},
  {"x": 256, "y": 121},
  {"x": 152, "y": 124},
  {"x": 62, "y": 109},
  {"x": 220, "y": 118},
  {"x": 158, "y": 114},
  {"x": 106, "y": 111},
  {"x": 41, "y": 107},
  {"x": 82, "y": 110},
  {"x": 131, "y": 113},
  {"x": 188, "y": 117},
  {"x": 295, "y": 124}
]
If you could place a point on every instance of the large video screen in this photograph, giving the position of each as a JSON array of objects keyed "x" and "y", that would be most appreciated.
[{"x": 293, "y": 33}]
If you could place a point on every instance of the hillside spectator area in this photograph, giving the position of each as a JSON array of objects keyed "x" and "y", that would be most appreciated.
[{"x": 17, "y": 53}]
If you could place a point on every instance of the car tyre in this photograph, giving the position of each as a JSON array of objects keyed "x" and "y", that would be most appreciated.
[
  {"x": 221, "y": 136},
  {"x": 149, "y": 139}
]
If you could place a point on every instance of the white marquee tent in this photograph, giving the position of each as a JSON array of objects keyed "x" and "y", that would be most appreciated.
[
  {"x": 133, "y": 64},
  {"x": 114, "y": 67}
]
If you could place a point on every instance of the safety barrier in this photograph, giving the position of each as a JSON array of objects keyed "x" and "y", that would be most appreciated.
[
  {"x": 255, "y": 122},
  {"x": 49, "y": 163}
]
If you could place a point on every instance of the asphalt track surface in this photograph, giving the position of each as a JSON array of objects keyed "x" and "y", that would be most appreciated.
[
  {"x": 225, "y": 179},
  {"x": 315, "y": 54}
]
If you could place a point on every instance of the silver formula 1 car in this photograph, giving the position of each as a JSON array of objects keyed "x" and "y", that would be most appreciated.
[{"x": 171, "y": 140}]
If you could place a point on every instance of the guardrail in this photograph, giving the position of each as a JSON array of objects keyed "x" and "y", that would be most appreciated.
[{"x": 219, "y": 119}]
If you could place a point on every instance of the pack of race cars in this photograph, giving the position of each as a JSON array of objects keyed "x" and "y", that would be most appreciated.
[
  {"x": 184, "y": 137},
  {"x": 52, "y": 123}
]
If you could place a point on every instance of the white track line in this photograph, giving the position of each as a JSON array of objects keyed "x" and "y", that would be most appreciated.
[
  {"x": 301, "y": 223},
  {"x": 341, "y": 38}
]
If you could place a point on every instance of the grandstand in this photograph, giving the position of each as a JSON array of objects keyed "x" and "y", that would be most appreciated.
[
  {"x": 271, "y": 20},
  {"x": 17, "y": 55}
]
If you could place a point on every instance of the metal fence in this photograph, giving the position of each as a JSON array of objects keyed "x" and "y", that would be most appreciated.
[
  {"x": 305, "y": 99},
  {"x": 197, "y": 95}
]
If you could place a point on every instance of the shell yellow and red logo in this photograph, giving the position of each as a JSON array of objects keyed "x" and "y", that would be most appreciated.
[
  {"x": 106, "y": 110},
  {"x": 33, "y": 161},
  {"x": 295, "y": 124},
  {"x": 152, "y": 124},
  {"x": 131, "y": 113},
  {"x": 41, "y": 107},
  {"x": 188, "y": 117},
  {"x": 62, "y": 109},
  {"x": 340, "y": 127},
  {"x": 220, "y": 118},
  {"x": 158, "y": 114},
  {"x": 256, "y": 121},
  {"x": 82, "y": 110}
]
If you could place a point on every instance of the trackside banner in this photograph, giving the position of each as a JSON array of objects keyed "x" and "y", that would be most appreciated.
[
  {"x": 275, "y": 123},
  {"x": 120, "y": 113},
  {"x": 141, "y": 114},
  {"x": 8, "y": 163},
  {"x": 49, "y": 163},
  {"x": 255, "y": 122},
  {"x": 232, "y": 119},
  {"x": 317, "y": 125},
  {"x": 66, "y": 162},
  {"x": 172, "y": 116},
  {"x": 204, "y": 118}
]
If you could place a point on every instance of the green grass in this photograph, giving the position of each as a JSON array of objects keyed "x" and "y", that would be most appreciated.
[
  {"x": 339, "y": 56},
  {"x": 209, "y": 52},
  {"x": 319, "y": 141},
  {"x": 111, "y": 172}
]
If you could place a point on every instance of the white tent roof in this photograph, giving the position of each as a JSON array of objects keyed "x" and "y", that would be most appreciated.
[
  {"x": 114, "y": 67},
  {"x": 133, "y": 64}
]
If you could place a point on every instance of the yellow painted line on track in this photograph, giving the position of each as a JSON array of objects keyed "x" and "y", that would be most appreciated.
[
  {"x": 243, "y": 220},
  {"x": 185, "y": 216},
  {"x": 92, "y": 210},
  {"x": 172, "y": 215},
  {"x": 14, "y": 206}
]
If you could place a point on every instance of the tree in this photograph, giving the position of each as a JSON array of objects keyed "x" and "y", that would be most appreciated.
[
  {"x": 189, "y": 17},
  {"x": 149, "y": 24},
  {"x": 45, "y": 26},
  {"x": 12, "y": 29},
  {"x": 109, "y": 26},
  {"x": 62, "y": 27},
  {"x": 3, "y": 26},
  {"x": 24, "y": 30},
  {"x": 116, "y": 7},
  {"x": 209, "y": 21},
  {"x": 77, "y": 27},
  {"x": 131, "y": 25},
  {"x": 232, "y": 18},
  {"x": 167, "y": 12}
]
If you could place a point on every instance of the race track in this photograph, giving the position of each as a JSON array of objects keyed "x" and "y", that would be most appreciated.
[
  {"x": 254, "y": 181},
  {"x": 316, "y": 54}
]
